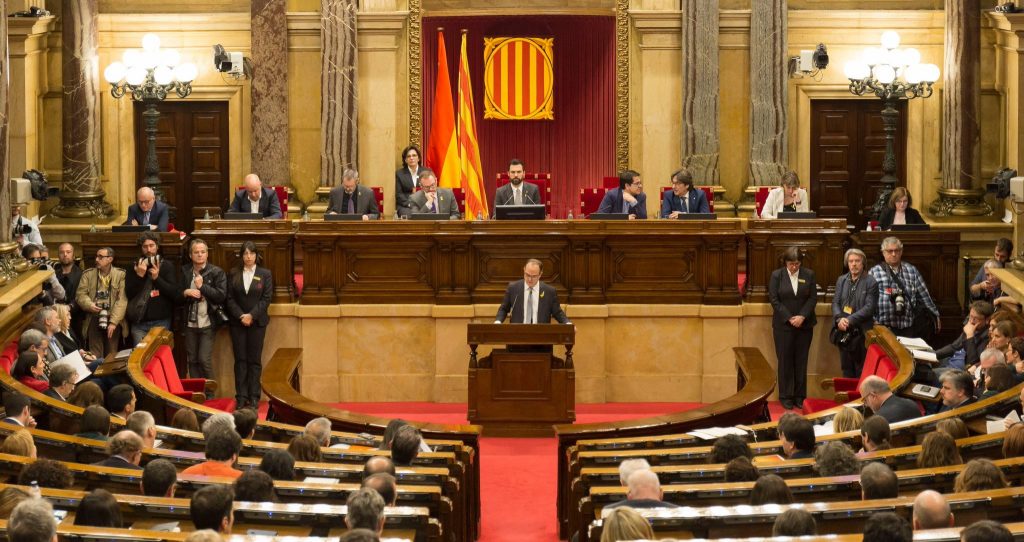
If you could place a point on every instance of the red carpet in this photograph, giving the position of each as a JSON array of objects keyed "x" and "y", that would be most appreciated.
[{"x": 518, "y": 474}]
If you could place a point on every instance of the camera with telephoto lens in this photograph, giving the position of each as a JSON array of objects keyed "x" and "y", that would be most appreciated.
[
  {"x": 43, "y": 263},
  {"x": 103, "y": 319},
  {"x": 151, "y": 261},
  {"x": 21, "y": 229},
  {"x": 899, "y": 301}
]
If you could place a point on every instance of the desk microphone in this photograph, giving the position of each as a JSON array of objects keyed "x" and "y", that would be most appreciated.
[{"x": 525, "y": 195}]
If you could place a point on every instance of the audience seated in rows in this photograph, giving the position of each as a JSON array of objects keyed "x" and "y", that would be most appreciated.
[
  {"x": 381, "y": 463},
  {"x": 216, "y": 422},
  {"x": 211, "y": 508},
  {"x": 142, "y": 424},
  {"x": 32, "y": 521},
  {"x": 931, "y": 511},
  {"x": 883, "y": 402},
  {"x": 986, "y": 530},
  {"x": 998, "y": 378},
  {"x": 125, "y": 450},
  {"x": 979, "y": 475},
  {"x": 1013, "y": 441},
  {"x": 797, "y": 437},
  {"x": 878, "y": 481},
  {"x": 279, "y": 464},
  {"x": 729, "y": 447},
  {"x": 245, "y": 422},
  {"x": 741, "y": 470},
  {"x": 887, "y": 527},
  {"x": 17, "y": 407},
  {"x": 966, "y": 349},
  {"x": 875, "y": 434},
  {"x": 625, "y": 524},
  {"x": 305, "y": 448},
  {"x": 847, "y": 419},
  {"x": 406, "y": 445},
  {"x": 770, "y": 489},
  {"x": 9, "y": 498},
  {"x": 62, "y": 381},
  {"x": 159, "y": 479},
  {"x": 121, "y": 401},
  {"x": 938, "y": 450},
  {"x": 99, "y": 508},
  {"x": 359, "y": 535},
  {"x": 46, "y": 473},
  {"x": 795, "y": 522},
  {"x": 204, "y": 535},
  {"x": 19, "y": 443},
  {"x": 222, "y": 448},
  {"x": 86, "y": 395},
  {"x": 385, "y": 485},
  {"x": 30, "y": 370},
  {"x": 835, "y": 458},
  {"x": 628, "y": 467},
  {"x": 94, "y": 424},
  {"x": 320, "y": 430},
  {"x": 954, "y": 427},
  {"x": 186, "y": 420},
  {"x": 643, "y": 491},
  {"x": 255, "y": 486},
  {"x": 365, "y": 510}
]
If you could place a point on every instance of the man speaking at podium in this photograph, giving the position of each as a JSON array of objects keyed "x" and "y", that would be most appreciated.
[{"x": 529, "y": 301}]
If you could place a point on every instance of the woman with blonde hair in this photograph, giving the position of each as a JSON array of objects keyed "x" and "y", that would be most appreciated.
[
  {"x": 19, "y": 443},
  {"x": 624, "y": 523},
  {"x": 847, "y": 419}
]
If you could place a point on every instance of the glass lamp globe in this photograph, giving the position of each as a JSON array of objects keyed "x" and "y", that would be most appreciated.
[
  {"x": 885, "y": 74},
  {"x": 150, "y": 59},
  {"x": 131, "y": 57},
  {"x": 856, "y": 70},
  {"x": 186, "y": 72},
  {"x": 931, "y": 73},
  {"x": 163, "y": 75},
  {"x": 890, "y": 39},
  {"x": 151, "y": 42},
  {"x": 114, "y": 72},
  {"x": 912, "y": 56},
  {"x": 873, "y": 56},
  {"x": 913, "y": 74},
  {"x": 170, "y": 57},
  {"x": 135, "y": 76}
]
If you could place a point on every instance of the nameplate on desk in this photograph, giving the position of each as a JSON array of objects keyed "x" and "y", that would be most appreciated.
[
  {"x": 910, "y": 227},
  {"x": 336, "y": 217},
  {"x": 428, "y": 216},
  {"x": 696, "y": 216},
  {"x": 608, "y": 216},
  {"x": 242, "y": 216},
  {"x": 519, "y": 212},
  {"x": 797, "y": 215},
  {"x": 129, "y": 229}
]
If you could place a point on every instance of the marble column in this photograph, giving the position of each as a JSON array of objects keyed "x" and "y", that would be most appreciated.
[
  {"x": 8, "y": 248},
  {"x": 81, "y": 195},
  {"x": 338, "y": 126},
  {"x": 961, "y": 84},
  {"x": 768, "y": 103},
  {"x": 700, "y": 99},
  {"x": 271, "y": 158}
]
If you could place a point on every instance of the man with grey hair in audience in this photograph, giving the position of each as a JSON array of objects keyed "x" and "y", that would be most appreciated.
[
  {"x": 989, "y": 358},
  {"x": 62, "y": 381},
  {"x": 883, "y": 402},
  {"x": 320, "y": 429},
  {"x": 957, "y": 389},
  {"x": 143, "y": 425},
  {"x": 218, "y": 421},
  {"x": 629, "y": 466},
  {"x": 365, "y": 510},
  {"x": 125, "y": 451},
  {"x": 32, "y": 521},
  {"x": 931, "y": 511},
  {"x": 644, "y": 491},
  {"x": 35, "y": 341}
]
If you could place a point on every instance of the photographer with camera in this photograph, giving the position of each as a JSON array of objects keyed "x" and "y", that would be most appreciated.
[
  {"x": 203, "y": 288},
  {"x": 101, "y": 295},
  {"x": 151, "y": 287},
  {"x": 904, "y": 304},
  {"x": 53, "y": 292},
  {"x": 24, "y": 230},
  {"x": 853, "y": 312}
]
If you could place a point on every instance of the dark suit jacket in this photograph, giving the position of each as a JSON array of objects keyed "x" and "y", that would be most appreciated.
[
  {"x": 405, "y": 184},
  {"x": 446, "y": 203},
  {"x": 255, "y": 302},
  {"x": 888, "y": 214},
  {"x": 696, "y": 198},
  {"x": 214, "y": 288},
  {"x": 270, "y": 206},
  {"x": 69, "y": 282},
  {"x": 531, "y": 195},
  {"x": 612, "y": 203},
  {"x": 160, "y": 307},
  {"x": 50, "y": 392},
  {"x": 802, "y": 454},
  {"x": 641, "y": 503},
  {"x": 864, "y": 300},
  {"x": 972, "y": 348},
  {"x": 158, "y": 215},
  {"x": 898, "y": 409},
  {"x": 786, "y": 304},
  {"x": 547, "y": 304},
  {"x": 67, "y": 344},
  {"x": 366, "y": 201},
  {"x": 970, "y": 400},
  {"x": 117, "y": 462}
]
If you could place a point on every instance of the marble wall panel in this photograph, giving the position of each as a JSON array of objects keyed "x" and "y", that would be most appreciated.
[
  {"x": 271, "y": 159},
  {"x": 5, "y": 81},
  {"x": 338, "y": 90}
]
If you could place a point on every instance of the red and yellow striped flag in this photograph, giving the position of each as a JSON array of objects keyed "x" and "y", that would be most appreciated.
[
  {"x": 443, "y": 152},
  {"x": 472, "y": 179}
]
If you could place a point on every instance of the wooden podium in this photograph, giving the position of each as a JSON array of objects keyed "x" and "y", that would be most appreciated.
[{"x": 521, "y": 390}]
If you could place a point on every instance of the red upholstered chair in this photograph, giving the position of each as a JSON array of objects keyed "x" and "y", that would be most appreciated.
[
  {"x": 759, "y": 198},
  {"x": 876, "y": 363},
  {"x": 610, "y": 182},
  {"x": 282, "y": 198},
  {"x": 460, "y": 198},
  {"x": 378, "y": 193},
  {"x": 707, "y": 193},
  {"x": 9, "y": 356},
  {"x": 162, "y": 372},
  {"x": 590, "y": 200},
  {"x": 542, "y": 180}
]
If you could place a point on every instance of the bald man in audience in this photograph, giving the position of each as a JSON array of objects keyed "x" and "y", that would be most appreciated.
[
  {"x": 254, "y": 198},
  {"x": 125, "y": 451},
  {"x": 147, "y": 211},
  {"x": 378, "y": 464},
  {"x": 881, "y": 400},
  {"x": 644, "y": 492},
  {"x": 384, "y": 484},
  {"x": 931, "y": 511}
]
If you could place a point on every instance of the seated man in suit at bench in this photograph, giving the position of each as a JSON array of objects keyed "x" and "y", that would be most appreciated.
[
  {"x": 644, "y": 492},
  {"x": 253, "y": 198},
  {"x": 684, "y": 197},
  {"x": 352, "y": 198},
  {"x": 878, "y": 481},
  {"x": 797, "y": 437},
  {"x": 125, "y": 451},
  {"x": 628, "y": 198},
  {"x": 211, "y": 508},
  {"x": 957, "y": 389},
  {"x": 365, "y": 510},
  {"x": 883, "y": 402},
  {"x": 431, "y": 199},
  {"x": 147, "y": 211},
  {"x": 159, "y": 479}
]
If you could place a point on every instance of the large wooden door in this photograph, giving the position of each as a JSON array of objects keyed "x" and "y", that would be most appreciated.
[
  {"x": 192, "y": 150},
  {"x": 847, "y": 148}
]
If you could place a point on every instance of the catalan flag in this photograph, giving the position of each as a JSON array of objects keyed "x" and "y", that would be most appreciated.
[
  {"x": 472, "y": 180},
  {"x": 443, "y": 152}
]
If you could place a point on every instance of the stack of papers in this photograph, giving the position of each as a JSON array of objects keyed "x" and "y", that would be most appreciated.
[
  {"x": 824, "y": 429},
  {"x": 712, "y": 433},
  {"x": 998, "y": 426},
  {"x": 76, "y": 362},
  {"x": 918, "y": 348}
]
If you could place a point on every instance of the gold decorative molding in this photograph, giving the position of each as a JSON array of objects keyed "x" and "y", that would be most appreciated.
[
  {"x": 415, "y": 72},
  {"x": 621, "y": 84}
]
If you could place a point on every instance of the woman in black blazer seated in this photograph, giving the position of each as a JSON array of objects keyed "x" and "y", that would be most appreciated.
[
  {"x": 407, "y": 178},
  {"x": 793, "y": 294},
  {"x": 899, "y": 210},
  {"x": 250, "y": 289}
]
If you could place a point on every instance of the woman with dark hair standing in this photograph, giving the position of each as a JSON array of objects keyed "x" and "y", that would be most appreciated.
[
  {"x": 793, "y": 294},
  {"x": 250, "y": 290},
  {"x": 407, "y": 178}
]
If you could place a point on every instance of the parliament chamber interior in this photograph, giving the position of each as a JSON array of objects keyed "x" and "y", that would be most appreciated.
[{"x": 464, "y": 270}]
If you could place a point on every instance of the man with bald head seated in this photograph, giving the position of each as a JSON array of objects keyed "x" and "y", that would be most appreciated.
[
  {"x": 378, "y": 464},
  {"x": 385, "y": 484},
  {"x": 931, "y": 511},
  {"x": 881, "y": 400},
  {"x": 125, "y": 451},
  {"x": 254, "y": 198},
  {"x": 147, "y": 211},
  {"x": 644, "y": 492}
]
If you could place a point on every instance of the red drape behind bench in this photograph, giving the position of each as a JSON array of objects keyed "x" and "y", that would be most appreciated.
[{"x": 578, "y": 147}]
